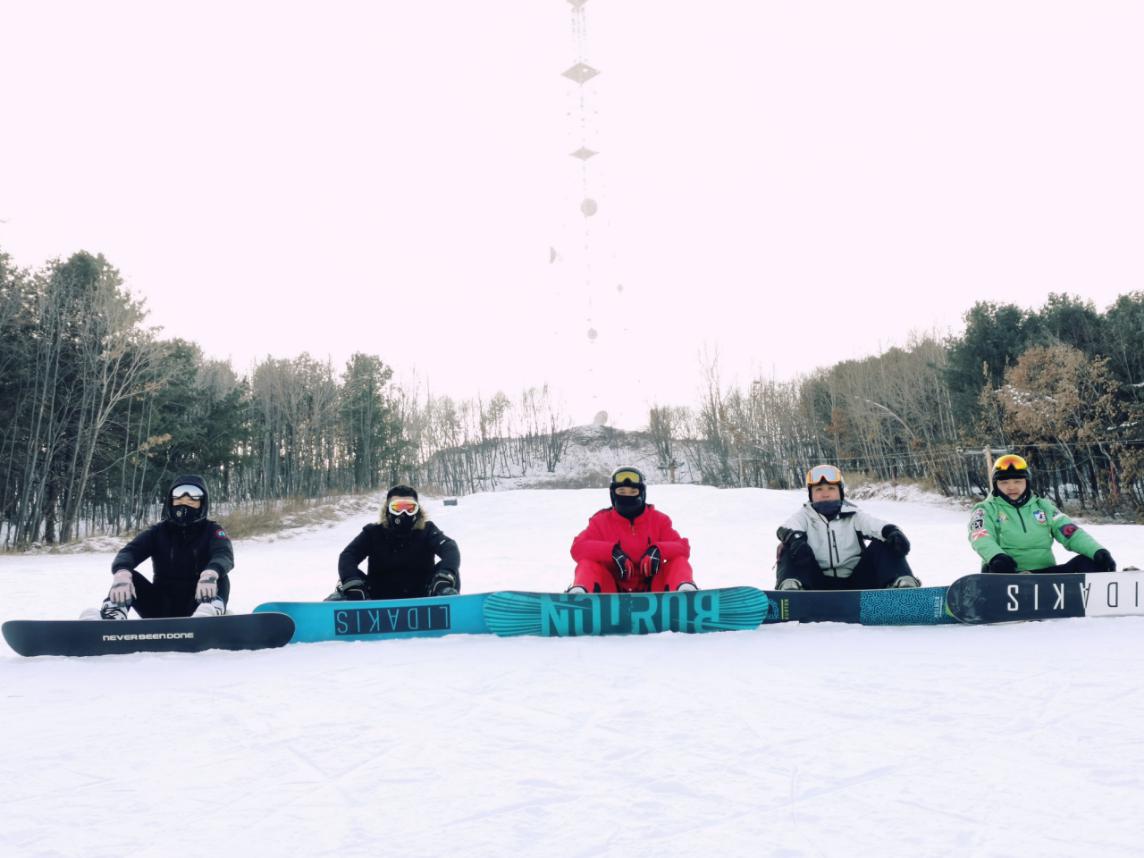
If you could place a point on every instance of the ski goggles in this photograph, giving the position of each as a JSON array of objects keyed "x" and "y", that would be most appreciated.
[
  {"x": 627, "y": 476},
  {"x": 824, "y": 474},
  {"x": 187, "y": 491},
  {"x": 1010, "y": 461},
  {"x": 403, "y": 506}
]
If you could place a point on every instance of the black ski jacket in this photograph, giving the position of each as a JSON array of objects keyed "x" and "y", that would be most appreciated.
[
  {"x": 179, "y": 554},
  {"x": 401, "y": 563}
]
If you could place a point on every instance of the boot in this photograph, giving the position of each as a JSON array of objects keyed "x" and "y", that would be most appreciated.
[
  {"x": 904, "y": 581},
  {"x": 112, "y": 611},
  {"x": 210, "y": 608}
]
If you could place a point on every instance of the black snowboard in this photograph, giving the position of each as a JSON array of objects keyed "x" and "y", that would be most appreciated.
[
  {"x": 179, "y": 634},
  {"x": 994, "y": 598}
]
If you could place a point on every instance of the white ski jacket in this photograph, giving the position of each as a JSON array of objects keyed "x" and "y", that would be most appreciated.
[{"x": 836, "y": 544}]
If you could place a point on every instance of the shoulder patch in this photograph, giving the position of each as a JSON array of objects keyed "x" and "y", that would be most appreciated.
[
  {"x": 1068, "y": 530},
  {"x": 221, "y": 534},
  {"x": 978, "y": 520}
]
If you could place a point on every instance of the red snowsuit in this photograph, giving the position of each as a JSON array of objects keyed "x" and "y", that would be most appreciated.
[{"x": 592, "y": 551}]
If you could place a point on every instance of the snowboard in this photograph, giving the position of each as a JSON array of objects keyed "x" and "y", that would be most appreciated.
[
  {"x": 512, "y": 613},
  {"x": 176, "y": 634},
  {"x": 430, "y": 616},
  {"x": 997, "y": 598},
  {"x": 908, "y": 606}
]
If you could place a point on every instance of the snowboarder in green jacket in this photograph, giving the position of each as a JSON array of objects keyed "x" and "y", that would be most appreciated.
[{"x": 1013, "y": 530}]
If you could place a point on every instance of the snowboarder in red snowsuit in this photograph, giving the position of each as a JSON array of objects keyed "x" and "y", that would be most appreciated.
[{"x": 630, "y": 547}]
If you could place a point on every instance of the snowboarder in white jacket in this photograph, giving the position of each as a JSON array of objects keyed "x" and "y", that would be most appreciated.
[{"x": 830, "y": 544}]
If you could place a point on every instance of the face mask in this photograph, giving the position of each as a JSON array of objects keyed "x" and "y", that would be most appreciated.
[
  {"x": 829, "y": 509},
  {"x": 629, "y": 507},
  {"x": 401, "y": 522},
  {"x": 184, "y": 515}
]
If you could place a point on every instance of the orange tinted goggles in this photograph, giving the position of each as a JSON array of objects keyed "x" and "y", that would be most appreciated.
[
  {"x": 823, "y": 474},
  {"x": 404, "y": 506},
  {"x": 1010, "y": 460}
]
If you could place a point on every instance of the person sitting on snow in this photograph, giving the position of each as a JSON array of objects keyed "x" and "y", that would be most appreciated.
[
  {"x": 830, "y": 544},
  {"x": 1013, "y": 530},
  {"x": 630, "y": 547},
  {"x": 191, "y": 557},
  {"x": 402, "y": 550}
]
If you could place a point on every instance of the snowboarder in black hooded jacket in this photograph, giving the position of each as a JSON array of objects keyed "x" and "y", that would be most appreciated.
[
  {"x": 190, "y": 555},
  {"x": 402, "y": 551}
]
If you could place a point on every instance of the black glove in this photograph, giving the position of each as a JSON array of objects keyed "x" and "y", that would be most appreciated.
[
  {"x": 353, "y": 590},
  {"x": 1002, "y": 563},
  {"x": 799, "y": 549},
  {"x": 445, "y": 582},
  {"x": 650, "y": 562},
  {"x": 623, "y": 564},
  {"x": 895, "y": 540},
  {"x": 1104, "y": 561}
]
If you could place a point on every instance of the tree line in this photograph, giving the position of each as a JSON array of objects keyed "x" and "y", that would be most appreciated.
[
  {"x": 1062, "y": 385},
  {"x": 98, "y": 414}
]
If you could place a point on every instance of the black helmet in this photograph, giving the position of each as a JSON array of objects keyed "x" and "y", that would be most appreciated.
[
  {"x": 405, "y": 512},
  {"x": 192, "y": 486},
  {"x": 629, "y": 507},
  {"x": 1011, "y": 467},
  {"x": 628, "y": 477}
]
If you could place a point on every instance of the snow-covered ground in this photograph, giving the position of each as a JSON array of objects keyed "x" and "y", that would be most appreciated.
[{"x": 792, "y": 740}]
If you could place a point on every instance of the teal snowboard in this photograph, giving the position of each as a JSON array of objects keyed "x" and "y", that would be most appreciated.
[
  {"x": 563, "y": 615},
  {"x": 431, "y": 616},
  {"x": 913, "y": 606}
]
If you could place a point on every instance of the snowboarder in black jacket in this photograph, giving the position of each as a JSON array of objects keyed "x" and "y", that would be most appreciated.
[
  {"x": 402, "y": 551},
  {"x": 191, "y": 557}
]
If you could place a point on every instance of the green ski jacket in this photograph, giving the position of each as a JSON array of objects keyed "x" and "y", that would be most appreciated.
[{"x": 1025, "y": 533}]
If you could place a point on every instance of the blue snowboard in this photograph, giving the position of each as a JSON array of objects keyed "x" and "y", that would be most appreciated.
[
  {"x": 915, "y": 606},
  {"x": 427, "y": 617},
  {"x": 563, "y": 615}
]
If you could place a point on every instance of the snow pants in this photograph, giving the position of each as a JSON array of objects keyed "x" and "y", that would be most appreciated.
[
  {"x": 1080, "y": 563},
  {"x": 170, "y": 598},
  {"x": 599, "y": 578},
  {"x": 877, "y": 568}
]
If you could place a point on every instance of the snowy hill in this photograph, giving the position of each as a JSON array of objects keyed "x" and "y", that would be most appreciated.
[
  {"x": 592, "y": 453},
  {"x": 792, "y": 740}
]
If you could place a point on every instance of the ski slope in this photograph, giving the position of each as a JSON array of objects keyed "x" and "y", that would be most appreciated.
[{"x": 792, "y": 740}]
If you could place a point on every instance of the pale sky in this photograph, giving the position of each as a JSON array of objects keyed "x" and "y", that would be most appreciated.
[{"x": 790, "y": 184}]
